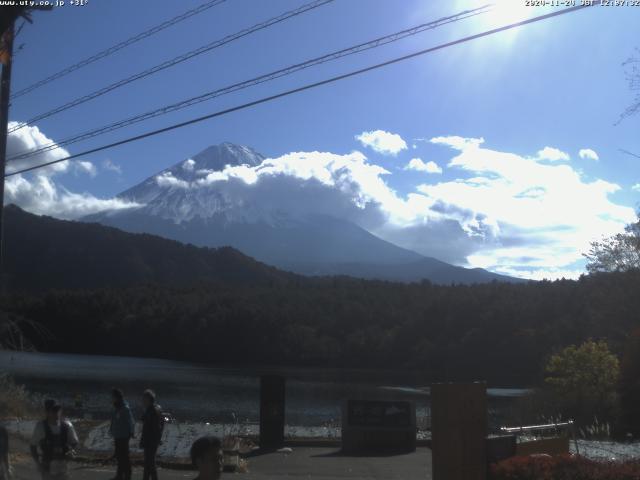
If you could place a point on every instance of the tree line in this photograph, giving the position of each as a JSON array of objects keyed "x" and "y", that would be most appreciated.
[{"x": 500, "y": 332}]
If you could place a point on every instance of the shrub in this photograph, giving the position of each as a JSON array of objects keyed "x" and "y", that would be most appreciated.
[
  {"x": 582, "y": 381},
  {"x": 563, "y": 467},
  {"x": 15, "y": 400}
]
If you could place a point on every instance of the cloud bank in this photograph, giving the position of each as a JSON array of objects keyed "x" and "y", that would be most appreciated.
[{"x": 37, "y": 191}]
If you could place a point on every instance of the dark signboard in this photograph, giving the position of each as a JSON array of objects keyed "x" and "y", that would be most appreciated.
[{"x": 377, "y": 413}]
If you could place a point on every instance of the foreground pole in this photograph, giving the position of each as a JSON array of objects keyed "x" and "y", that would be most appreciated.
[
  {"x": 5, "y": 90},
  {"x": 272, "y": 398}
]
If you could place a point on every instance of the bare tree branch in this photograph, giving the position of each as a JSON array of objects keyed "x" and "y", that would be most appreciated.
[
  {"x": 12, "y": 333},
  {"x": 632, "y": 72}
]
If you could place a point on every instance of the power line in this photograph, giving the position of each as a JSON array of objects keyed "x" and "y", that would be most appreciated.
[
  {"x": 254, "y": 81},
  {"x": 109, "y": 51},
  {"x": 627, "y": 152},
  {"x": 309, "y": 86},
  {"x": 175, "y": 61}
]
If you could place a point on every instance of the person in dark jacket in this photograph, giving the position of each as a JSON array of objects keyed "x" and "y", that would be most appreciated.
[
  {"x": 152, "y": 423},
  {"x": 122, "y": 430}
]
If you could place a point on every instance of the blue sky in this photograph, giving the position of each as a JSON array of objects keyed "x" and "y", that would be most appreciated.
[{"x": 537, "y": 96}]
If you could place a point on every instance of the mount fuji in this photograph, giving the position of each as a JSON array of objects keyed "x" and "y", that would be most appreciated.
[{"x": 308, "y": 243}]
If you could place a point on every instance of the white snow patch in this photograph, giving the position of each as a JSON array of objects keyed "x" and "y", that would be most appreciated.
[{"x": 177, "y": 437}]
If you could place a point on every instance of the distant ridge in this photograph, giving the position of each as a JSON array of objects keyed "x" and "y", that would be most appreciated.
[{"x": 43, "y": 252}]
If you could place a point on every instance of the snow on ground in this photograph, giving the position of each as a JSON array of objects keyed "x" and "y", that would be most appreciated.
[
  {"x": 606, "y": 450},
  {"x": 178, "y": 437},
  {"x": 176, "y": 440}
]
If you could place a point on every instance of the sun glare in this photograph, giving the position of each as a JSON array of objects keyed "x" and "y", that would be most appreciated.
[
  {"x": 505, "y": 12},
  {"x": 509, "y": 11}
]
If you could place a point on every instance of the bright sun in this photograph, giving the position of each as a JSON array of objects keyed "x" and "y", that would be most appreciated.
[
  {"x": 504, "y": 12},
  {"x": 509, "y": 11}
]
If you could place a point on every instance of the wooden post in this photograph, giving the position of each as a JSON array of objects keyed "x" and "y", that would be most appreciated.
[
  {"x": 272, "y": 404},
  {"x": 459, "y": 431},
  {"x": 5, "y": 90}
]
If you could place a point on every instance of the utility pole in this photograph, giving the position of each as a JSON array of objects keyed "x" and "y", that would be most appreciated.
[{"x": 5, "y": 89}]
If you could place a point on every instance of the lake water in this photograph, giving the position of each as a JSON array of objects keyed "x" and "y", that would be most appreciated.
[{"x": 197, "y": 393}]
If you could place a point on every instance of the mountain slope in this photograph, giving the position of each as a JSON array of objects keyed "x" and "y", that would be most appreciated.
[
  {"x": 425, "y": 269},
  {"x": 314, "y": 239},
  {"x": 43, "y": 252},
  {"x": 305, "y": 244}
]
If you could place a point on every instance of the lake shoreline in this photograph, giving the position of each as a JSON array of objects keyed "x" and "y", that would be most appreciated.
[
  {"x": 389, "y": 378},
  {"x": 193, "y": 393}
]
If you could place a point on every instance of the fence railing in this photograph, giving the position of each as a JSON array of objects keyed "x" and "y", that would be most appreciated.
[{"x": 556, "y": 427}]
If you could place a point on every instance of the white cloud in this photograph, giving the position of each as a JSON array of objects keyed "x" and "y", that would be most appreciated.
[
  {"x": 587, "y": 153},
  {"x": 167, "y": 179},
  {"x": 112, "y": 167},
  {"x": 300, "y": 183},
  {"x": 459, "y": 143},
  {"x": 419, "y": 165},
  {"x": 552, "y": 154},
  {"x": 86, "y": 167},
  {"x": 31, "y": 138},
  {"x": 37, "y": 191},
  {"x": 521, "y": 213},
  {"x": 41, "y": 195},
  {"x": 636, "y": 187},
  {"x": 382, "y": 142},
  {"x": 189, "y": 164},
  {"x": 542, "y": 274}
]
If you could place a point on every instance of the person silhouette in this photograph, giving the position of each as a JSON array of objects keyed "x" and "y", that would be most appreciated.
[{"x": 122, "y": 430}]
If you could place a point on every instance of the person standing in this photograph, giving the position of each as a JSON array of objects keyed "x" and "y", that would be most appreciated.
[
  {"x": 52, "y": 443},
  {"x": 152, "y": 426},
  {"x": 122, "y": 430}
]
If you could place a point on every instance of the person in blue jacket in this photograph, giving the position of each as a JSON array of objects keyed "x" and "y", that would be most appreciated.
[{"x": 122, "y": 430}]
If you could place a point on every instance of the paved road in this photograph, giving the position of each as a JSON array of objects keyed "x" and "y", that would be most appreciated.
[{"x": 307, "y": 462}]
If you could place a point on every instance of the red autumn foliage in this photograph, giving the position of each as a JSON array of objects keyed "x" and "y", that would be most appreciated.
[{"x": 563, "y": 467}]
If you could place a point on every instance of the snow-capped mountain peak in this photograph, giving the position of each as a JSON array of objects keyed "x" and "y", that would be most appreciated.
[
  {"x": 168, "y": 194},
  {"x": 216, "y": 157}
]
